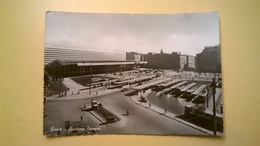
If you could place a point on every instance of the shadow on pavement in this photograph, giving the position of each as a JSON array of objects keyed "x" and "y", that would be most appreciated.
[
  {"x": 77, "y": 122},
  {"x": 200, "y": 122},
  {"x": 126, "y": 114},
  {"x": 87, "y": 109}
]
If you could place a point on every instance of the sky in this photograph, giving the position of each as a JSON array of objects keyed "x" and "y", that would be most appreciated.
[{"x": 186, "y": 33}]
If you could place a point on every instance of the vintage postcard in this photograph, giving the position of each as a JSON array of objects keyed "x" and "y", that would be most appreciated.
[{"x": 147, "y": 74}]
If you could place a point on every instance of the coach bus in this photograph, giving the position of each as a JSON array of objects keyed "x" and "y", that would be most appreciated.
[
  {"x": 201, "y": 98},
  {"x": 177, "y": 91},
  {"x": 162, "y": 86},
  {"x": 188, "y": 87},
  {"x": 174, "y": 88},
  {"x": 166, "y": 91},
  {"x": 183, "y": 90},
  {"x": 189, "y": 92},
  {"x": 196, "y": 92}
]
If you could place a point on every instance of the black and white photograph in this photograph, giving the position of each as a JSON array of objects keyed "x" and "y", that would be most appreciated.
[{"x": 136, "y": 74}]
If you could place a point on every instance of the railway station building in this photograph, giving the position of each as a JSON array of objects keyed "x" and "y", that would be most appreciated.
[{"x": 60, "y": 63}]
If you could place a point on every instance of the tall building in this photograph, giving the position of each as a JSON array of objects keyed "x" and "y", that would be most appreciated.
[
  {"x": 209, "y": 59},
  {"x": 191, "y": 61},
  {"x": 162, "y": 60},
  {"x": 131, "y": 55},
  {"x": 187, "y": 62},
  {"x": 183, "y": 61}
]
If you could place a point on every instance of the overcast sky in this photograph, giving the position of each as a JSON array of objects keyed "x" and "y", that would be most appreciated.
[{"x": 185, "y": 33}]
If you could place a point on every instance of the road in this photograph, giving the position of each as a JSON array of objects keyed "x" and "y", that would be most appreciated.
[
  {"x": 140, "y": 120},
  {"x": 173, "y": 104}
]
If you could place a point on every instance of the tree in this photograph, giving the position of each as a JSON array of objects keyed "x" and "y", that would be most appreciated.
[{"x": 161, "y": 51}]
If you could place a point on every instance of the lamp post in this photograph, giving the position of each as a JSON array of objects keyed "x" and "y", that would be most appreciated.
[
  {"x": 83, "y": 69},
  {"x": 214, "y": 107},
  {"x": 90, "y": 78},
  {"x": 139, "y": 71},
  {"x": 207, "y": 96}
]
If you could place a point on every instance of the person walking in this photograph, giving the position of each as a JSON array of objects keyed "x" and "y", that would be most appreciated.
[{"x": 81, "y": 118}]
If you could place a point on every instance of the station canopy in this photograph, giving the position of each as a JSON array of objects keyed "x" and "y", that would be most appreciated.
[{"x": 93, "y": 63}]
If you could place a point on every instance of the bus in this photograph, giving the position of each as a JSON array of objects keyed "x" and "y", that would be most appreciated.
[
  {"x": 177, "y": 91},
  {"x": 189, "y": 92},
  {"x": 183, "y": 90},
  {"x": 173, "y": 88},
  {"x": 196, "y": 93},
  {"x": 166, "y": 91},
  {"x": 201, "y": 98},
  {"x": 162, "y": 86},
  {"x": 188, "y": 87}
]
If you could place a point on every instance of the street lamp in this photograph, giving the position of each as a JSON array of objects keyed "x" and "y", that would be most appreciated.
[
  {"x": 214, "y": 107},
  {"x": 83, "y": 69},
  {"x": 207, "y": 96},
  {"x": 90, "y": 78},
  {"x": 139, "y": 71}
]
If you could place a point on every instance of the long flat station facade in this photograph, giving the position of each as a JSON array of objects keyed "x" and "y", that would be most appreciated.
[
  {"x": 69, "y": 68},
  {"x": 60, "y": 63}
]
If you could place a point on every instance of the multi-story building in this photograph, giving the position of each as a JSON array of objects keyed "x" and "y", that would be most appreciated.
[
  {"x": 209, "y": 59},
  {"x": 183, "y": 61},
  {"x": 187, "y": 62},
  {"x": 162, "y": 60},
  {"x": 191, "y": 61},
  {"x": 131, "y": 55}
]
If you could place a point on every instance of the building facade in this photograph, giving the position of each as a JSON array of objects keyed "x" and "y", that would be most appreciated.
[
  {"x": 162, "y": 60},
  {"x": 60, "y": 63},
  {"x": 209, "y": 59},
  {"x": 69, "y": 68},
  {"x": 131, "y": 55},
  {"x": 191, "y": 61},
  {"x": 183, "y": 61},
  {"x": 187, "y": 62}
]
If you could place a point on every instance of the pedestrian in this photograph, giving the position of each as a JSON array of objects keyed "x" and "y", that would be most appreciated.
[
  {"x": 127, "y": 112},
  {"x": 84, "y": 106},
  {"x": 81, "y": 118},
  {"x": 165, "y": 110}
]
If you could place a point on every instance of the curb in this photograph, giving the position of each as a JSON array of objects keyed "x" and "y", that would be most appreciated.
[
  {"x": 121, "y": 122},
  {"x": 175, "y": 118}
]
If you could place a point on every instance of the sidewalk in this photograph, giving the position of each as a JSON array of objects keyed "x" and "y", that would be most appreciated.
[
  {"x": 169, "y": 115},
  {"x": 218, "y": 99},
  {"x": 72, "y": 85},
  {"x": 121, "y": 122},
  {"x": 85, "y": 94}
]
